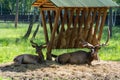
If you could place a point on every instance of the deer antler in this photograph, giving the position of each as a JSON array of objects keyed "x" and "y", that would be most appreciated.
[
  {"x": 108, "y": 38},
  {"x": 33, "y": 43},
  {"x": 36, "y": 45},
  {"x": 86, "y": 44}
]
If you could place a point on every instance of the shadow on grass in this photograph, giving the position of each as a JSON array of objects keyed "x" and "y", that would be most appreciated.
[{"x": 24, "y": 67}]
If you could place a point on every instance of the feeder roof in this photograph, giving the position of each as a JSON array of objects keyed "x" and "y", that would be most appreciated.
[{"x": 76, "y": 3}]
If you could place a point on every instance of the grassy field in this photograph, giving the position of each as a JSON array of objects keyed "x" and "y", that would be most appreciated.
[{"x": 9, "y": 48}]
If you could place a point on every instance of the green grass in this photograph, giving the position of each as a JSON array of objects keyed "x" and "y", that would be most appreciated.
[
  {"x": 9, "y": 48},
  {"x": 1, "y": 78}
]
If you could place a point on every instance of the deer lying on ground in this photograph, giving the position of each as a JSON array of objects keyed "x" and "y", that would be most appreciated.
[
  {"x": 81, "y": 57},
  {"x": 29, "y": 58},
  {"x": 78, "y": 57}
]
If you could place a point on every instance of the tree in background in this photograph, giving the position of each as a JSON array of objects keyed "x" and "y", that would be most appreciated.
[
  {"x": 17, "y": 11},
  {"x": 110, "y": 19}
]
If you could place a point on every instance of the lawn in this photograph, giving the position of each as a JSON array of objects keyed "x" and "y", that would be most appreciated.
[{"x": 9, "y": 48}]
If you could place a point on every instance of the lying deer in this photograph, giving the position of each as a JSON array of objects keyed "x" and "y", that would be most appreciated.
[
  {"x": 78, "y": 57},
  {"x": 81, "y": 57},
  {"x": 29, "y": 58}
]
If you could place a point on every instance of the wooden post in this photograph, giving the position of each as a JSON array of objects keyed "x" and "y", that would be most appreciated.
[
  {"x": 80, "y": 29},
  {"x": 50, "y": 20},
  {"x": 49, "y": 47},
  {"x": 87, "y": 23},
  {"x": 89, "y": 37},
  {"x": 62, "y": 28},
  {"x": 71, "y": 17},
  {"x": 96, "y": 27},
  {"x": 102, "y": 24},
  {"x": 74, "y": 31},
  {"x": 44, "y": 25}
]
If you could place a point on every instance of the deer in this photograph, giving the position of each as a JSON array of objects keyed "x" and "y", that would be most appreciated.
[
  {"x": 81, "y": 57},
  {"x": 29, "y": 58}
]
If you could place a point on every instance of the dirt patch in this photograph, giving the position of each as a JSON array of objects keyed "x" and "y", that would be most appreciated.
[{"x": 103, "y": 70}]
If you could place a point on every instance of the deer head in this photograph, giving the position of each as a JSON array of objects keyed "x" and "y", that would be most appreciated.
[
  {"x": 38, "y": 49},
  {"x": 95, "y": 48}
]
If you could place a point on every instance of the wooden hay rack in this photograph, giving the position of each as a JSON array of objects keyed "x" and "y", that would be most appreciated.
[{"x": 72, "y": 22}]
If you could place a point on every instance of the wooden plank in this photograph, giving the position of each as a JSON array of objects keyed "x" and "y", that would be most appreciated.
[
  {"x": 74, "y": 31},
  {"x": 50, "y": 44},
  {"x": 44, "y": 26},
  {"x": 96, "y": 28},
  {"x": 48, "y": 6},
  {"x": 89, "y": 37},
  {"x": 53, "y": 9},
  {"x": 68, "y": 28},
  {"x": 67, "y": 17},
  {"x": 71, "y": 17},
  {"x": 102, "y": 23},
  {"x": 77, "y": 16},
  {"x": 80, "y": 28},
  {"x": 87, "y": 24},
  {"x": 62, "y": 29},
  {"x": 50, "y": 20}
]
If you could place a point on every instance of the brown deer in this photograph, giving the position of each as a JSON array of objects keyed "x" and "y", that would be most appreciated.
[
  {"x": 81, "y": 57},
  {"x": 29, "y": 58}
]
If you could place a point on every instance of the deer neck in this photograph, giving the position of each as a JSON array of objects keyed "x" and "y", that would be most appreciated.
[{"x": 90, "y": 58}]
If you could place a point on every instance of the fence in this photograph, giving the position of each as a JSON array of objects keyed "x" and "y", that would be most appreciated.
[{"x": 26, "y": 18}]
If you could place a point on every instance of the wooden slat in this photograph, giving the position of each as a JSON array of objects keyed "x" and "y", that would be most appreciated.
[
  {"x": 96, "y": 28},
  {"x": 89, "y": 37},
  {"x": 50, "y": 45},
  {"x": 87, "y": 24},
  {"x": 48, "y": 9},
  {"x": 80, "y": 29},
  {"x": 102, "y": 24},
  {"x": 71, "y": 17},
  {"x": 62, "y": 29},
  {"x": 77, "y": 16},
  {"x": 74, "y": 31},
  {"x": 44, "y": 26},
  {"x": 48, "y": 6},
  {"x": 50, "y": 20}
]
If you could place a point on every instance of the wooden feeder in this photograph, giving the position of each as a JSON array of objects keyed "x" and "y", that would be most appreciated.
[{"x": 71, "y": 21}]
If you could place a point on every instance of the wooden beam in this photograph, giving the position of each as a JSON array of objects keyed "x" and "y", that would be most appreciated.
[
  {"x": 71, "y": 17},
  {"x": 62, "y": 29},
  {"x": 48, "y": 6},
  {"x": 50, "y": 20},
  {"x": 80, "y": 28},
  {"x": 102, "y": 23},
  {"x": 77, "y": 17},
  {"x": 50, "y": 44},
  {"x": 74, "y": 30},
  {"x": 44, "y": 26},
  {"x": 89, "y": 37},
  {"x": 53, "y": 9},
  {"x": 87, "y": 23}
]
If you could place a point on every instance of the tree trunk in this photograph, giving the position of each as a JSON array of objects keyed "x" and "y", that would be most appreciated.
[
  {"x": 17, "y": 11},
  {"x": 34, "y": 34},
  {"x": 110, "y": 21},
  {"x": 26, "y": 36}
]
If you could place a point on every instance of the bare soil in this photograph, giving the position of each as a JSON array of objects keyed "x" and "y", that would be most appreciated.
[{"x": 103, "y": 70}]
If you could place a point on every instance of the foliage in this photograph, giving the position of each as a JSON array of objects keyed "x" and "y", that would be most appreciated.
[
  {"x": 8, "y": 6},
  {"x": 11, "y": 46}
]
